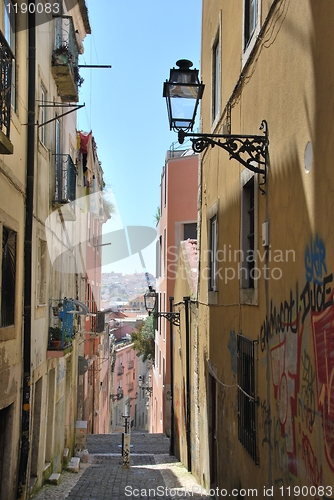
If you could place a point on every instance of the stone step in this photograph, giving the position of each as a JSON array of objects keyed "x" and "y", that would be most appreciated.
[
  {"x": 54, "y": 478},
  {"x": 74, "y": 464}
]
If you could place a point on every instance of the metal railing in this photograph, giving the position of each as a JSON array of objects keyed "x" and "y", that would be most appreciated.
[
  {"x": 6, "y": 72},
  {"x": 65, "y": 41},
  {"x": 65, "y": 179}
]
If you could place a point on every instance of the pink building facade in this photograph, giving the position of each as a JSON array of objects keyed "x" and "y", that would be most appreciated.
[{"x": 178, "y": 222}]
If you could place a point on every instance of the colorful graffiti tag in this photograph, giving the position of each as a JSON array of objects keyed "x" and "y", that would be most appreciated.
[{"x": 303, "y": 380}]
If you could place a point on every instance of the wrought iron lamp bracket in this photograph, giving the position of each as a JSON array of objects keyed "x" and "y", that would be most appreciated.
[
  {"x": 173, "y": 317},
  {"x": 249, "y": 150}
]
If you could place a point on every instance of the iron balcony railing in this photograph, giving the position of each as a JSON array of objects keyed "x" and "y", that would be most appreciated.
[
  {"x": 65, "y": 180},
  {"x": 120, "y": 370},
  {"x": 6, "y": 71},
  {"x": 65, "y": 56}
]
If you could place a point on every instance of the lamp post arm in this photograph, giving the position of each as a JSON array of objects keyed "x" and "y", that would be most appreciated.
[
  {"x": 173, "y": 317},
  {"x": 249, "y": 150}
]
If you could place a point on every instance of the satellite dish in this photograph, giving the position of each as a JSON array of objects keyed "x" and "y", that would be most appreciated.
[{"x": 82, "y": 365}]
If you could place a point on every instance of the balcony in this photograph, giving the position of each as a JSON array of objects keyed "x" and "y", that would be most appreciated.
[
  {"x": 131, "y": 364},
  {"x": 120, "y": 370},
  {"x": 130, "y": 387},
  {"x": 65, "y": 182},
  {"x": 61, "y": 331},
  {"x": 6, "y": 72},
  {"x": 65, "y": 60}
]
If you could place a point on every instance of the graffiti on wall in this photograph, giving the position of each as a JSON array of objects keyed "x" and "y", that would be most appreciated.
[{"x": 299, "y": 332}]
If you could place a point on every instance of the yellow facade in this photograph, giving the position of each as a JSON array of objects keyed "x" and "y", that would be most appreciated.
[{"x": 285, "y": 312}]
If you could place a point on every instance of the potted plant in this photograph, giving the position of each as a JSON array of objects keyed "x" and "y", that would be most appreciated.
[
  {"x": 61, "y": 55},
  {"x": 56, "y": 336}
]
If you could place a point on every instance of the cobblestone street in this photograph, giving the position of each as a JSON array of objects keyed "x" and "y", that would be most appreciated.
[{"x": 152, "y": 474}]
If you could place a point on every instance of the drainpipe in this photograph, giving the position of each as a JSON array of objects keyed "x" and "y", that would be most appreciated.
[
  {"x": 22, "y": 484},
  {"x": 171, "y": 348},
  {"x": 188, "y": 430}
]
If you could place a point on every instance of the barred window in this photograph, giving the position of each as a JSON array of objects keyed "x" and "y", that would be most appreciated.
[
  {"x": 247, "y": 400},
  {"x": 8, "y": 277}
]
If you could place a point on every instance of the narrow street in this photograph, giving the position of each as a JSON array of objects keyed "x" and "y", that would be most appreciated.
[{"x": 153, "y": 473}]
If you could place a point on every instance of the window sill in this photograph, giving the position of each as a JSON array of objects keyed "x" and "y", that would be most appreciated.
[
  {"x": 213, "y": 297},
  {"x": 249, "y": 296},
  {"x": 6, "y": 147}
]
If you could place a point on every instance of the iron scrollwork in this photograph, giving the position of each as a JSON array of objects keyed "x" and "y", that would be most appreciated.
[{"x": 249, "y": 150}]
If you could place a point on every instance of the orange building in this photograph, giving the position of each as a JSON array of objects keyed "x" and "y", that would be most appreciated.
[{"x": 178, "y": 222}]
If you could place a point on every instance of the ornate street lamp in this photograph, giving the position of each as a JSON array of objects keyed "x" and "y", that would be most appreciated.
[
  {"x": 150, "y": 300},
  {"x": 183, "y": 91}
]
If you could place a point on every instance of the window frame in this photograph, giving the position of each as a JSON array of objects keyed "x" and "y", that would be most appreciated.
[
  {"x": 212, "y": 213},
  {"x": 41, "y": 291},
  {"x": 216, "y": 69},
  {"x": 213, "y": 248},
  {"x": 43, "y": 114},
  {"x": 248, "y": 287},
  {"x": 249, "y": 41}
]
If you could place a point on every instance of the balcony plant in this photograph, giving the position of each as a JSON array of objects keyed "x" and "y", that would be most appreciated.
[
  {"x": 61, "y": 55},
  {"x": 56, "y": 336}
]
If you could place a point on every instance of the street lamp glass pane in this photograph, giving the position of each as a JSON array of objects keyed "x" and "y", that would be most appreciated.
[
  {"x": 183, "y": 111},
  {"x": 184, "y": 91},
  {"x": 149, "y": 301}
]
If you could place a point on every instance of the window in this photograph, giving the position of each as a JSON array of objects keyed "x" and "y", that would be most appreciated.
[
  {"x": 10, "y": 30},
  {"x": 190, "y": 231},
  {"x": 58, "y": 160},
  {"x": 213, "y": 253},
  {"x": 215, "y": 79},
  {"x": 247, "y": 400},
  {"x": 251, "y": 27},
  {"x": 8, "y": 277},
  {"x": 250, "y": 15},
  {"x": 248, "y": 235},
  {"x": 41, "y": 269},
  {"x": 43, "y": 115},
  {"x": 165, "y": 251}
]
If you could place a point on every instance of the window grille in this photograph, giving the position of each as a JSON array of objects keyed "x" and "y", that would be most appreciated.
[
  {"x": 6, "y": 73},
  {"x": 247, "y": 400}
]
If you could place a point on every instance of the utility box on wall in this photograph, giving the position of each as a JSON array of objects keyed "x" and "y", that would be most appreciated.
[{"x": 80, "y": 435}]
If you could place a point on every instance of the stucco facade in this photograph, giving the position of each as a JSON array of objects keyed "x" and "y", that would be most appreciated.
[
  {"x": 264, "y": 413},
  {"x": 12, "y": 221},
  {"x": 50, "y": 251},
  {"x": 178, "y": 220}
]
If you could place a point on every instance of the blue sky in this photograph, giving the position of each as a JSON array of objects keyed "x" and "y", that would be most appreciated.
[{"x": 125, "y": 109}]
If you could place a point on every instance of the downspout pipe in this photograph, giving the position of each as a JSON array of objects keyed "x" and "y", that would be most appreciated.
[
  {"x": 23, "y": 481},
  {"x": 188, "y": 418}
]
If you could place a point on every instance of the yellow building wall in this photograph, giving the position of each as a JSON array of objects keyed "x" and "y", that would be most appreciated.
[{"x": 289, "y": 83}]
